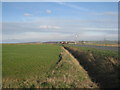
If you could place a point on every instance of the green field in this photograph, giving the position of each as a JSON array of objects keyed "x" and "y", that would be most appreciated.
[
  {"x": 57, "y": 66},
  {"x": 26, "y": 61},
  {"x": 42, "y": 65},
  {"x": 99, "y": 52}
]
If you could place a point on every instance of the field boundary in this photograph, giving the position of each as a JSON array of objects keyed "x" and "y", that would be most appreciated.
[
  {"x": 74, "y": 59},
  {"x": 68, "y": 73},
  {"x": 104, "y": 71}
]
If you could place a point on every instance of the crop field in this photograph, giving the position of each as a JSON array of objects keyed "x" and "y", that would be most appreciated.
[
  {"x": 100, "y": 50},
  {"x": 58, "y": 66},
  {"x": 42, "y": 66},
  {"x": 28, "y": 61},
  {"x": 112, "y": 48}
]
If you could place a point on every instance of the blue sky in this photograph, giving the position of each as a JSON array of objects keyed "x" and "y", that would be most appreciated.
[{"x": 56, "y": 21}]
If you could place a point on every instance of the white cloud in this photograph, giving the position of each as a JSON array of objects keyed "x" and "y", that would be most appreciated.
[
  {"x": 49, "y": 27},
  {"x": 35, "y": 36},
  {"x": 48, "y": 11},
  {"x": 27, "y": 14}
]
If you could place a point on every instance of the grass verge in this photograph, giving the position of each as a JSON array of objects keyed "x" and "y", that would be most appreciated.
[
  {"x": 69, "y": 74},
  {"x": 102, "y": 68}
]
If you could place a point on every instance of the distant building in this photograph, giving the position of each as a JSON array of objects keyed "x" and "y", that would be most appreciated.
[
  {"x": 67, "y": 42},
  {"x": 72, "y": 43},
  {"x": 63, "y": 42}
]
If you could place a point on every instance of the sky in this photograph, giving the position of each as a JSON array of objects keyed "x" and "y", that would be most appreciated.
[{"x": 59, "y": 21}]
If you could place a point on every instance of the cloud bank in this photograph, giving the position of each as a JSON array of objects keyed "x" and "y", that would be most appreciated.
[{"x": 59, "y": 29}]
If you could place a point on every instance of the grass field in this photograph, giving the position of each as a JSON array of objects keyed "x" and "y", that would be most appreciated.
[
  {"x": 57, "y": 66},
  {"x": 42, "y": 66},
  {"x": 28, "y": 61},
  {"x": 99, "y": 52}
]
